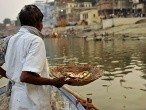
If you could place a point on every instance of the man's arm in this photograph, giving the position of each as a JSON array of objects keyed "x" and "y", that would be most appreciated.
[
  {"x": 3, "y": 72},
  {"x": 34, "y": 78}
]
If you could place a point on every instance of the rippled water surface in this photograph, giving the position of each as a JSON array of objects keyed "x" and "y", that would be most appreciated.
[{"x": 123, "y": 87}]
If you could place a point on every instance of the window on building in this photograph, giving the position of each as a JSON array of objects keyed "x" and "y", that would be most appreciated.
[
  {"x": 94, "y": 15},
  {"x": 85, "y": 16},
  {"x": 81, "y": 5}
]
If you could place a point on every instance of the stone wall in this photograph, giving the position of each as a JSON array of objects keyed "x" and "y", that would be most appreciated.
[{"x": 120, "y": 21}]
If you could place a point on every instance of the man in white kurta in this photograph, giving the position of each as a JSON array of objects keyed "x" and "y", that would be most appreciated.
[
  {"x": 26, "y": 65},
  {"x": 26, "y": 51}
]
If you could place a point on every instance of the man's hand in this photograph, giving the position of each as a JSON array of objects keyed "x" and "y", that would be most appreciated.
[
  {"x": 59, "y": 82},
  {"x": 72, "y": 82}
]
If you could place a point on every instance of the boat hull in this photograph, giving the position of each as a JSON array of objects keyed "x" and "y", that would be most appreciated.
[{"x": 4, "y": 101}]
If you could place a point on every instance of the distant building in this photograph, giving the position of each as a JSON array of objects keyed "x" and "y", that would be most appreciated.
[
  {"x": 139, "y": 7},
  {"x": 47, "y": 9},
  {"x": 69, "y": 11},
  {"x": 2, "y": 26},
  {"x": 90, "y": 16},
  {"x": 110, "y": 8},
  {"x": 73, "y": 10},
  {"x": 10, "y": 27},
  {"x": 121, "y": 8}
]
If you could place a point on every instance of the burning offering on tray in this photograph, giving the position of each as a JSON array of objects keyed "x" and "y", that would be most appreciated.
[{"x": 82, "y": 74}]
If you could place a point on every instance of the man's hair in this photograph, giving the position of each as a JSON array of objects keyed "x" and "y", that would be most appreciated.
[{"x": 30, "y": 15}]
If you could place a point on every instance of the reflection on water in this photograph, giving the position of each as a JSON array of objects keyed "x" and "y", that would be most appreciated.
[{"x": 123, "y": 87}]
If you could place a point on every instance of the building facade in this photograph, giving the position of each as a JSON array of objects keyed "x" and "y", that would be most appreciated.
[
  {"x": 69, "y": 11},
  {"x": 139, "y": 7},
  {"x": 47, "y": 8},
  {"x": 121, "y": 8},
  {"x": 110, "y": 8},
  {"x": 90, "y": 16}
]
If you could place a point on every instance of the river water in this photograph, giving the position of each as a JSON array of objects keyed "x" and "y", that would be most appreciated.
[{"x": 123, "y": 87}]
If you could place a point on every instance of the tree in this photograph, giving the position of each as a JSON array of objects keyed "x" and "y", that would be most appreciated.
[
  {"x": 17, "y": 21},
  {"x": 7, "y": 21}
]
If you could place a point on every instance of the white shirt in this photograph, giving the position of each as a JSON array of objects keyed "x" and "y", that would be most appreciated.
[{"x": 26, "y": 52}]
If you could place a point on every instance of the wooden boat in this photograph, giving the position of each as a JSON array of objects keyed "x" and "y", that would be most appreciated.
[
  {"x": 64, "y": 99},
  {"x": 98, "y": 38},
  {"x": 4, "y": 98},
  {"x": 132, "y": 37}
]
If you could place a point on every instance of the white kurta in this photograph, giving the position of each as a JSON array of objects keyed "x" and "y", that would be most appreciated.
[{"x": 26, "y": 52}]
